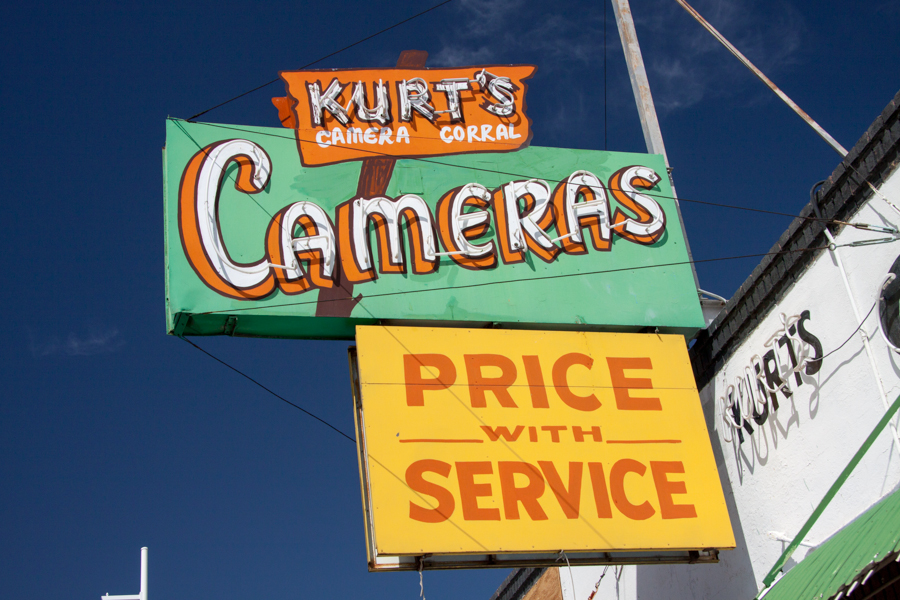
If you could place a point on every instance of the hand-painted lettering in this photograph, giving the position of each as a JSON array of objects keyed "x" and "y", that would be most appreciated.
[
  {"x": 480, "y": 383},
  {"x": 638, "y": 512},
  {"x": 569, "y": 497},
  {"x": 461, "y": 220},
  {"x": 521, "y": 485},
  {"x": 416, "y": 481},
  {"x": 417, "y": 385},
  {"x": 622, "y": 385},
  {"x": 469, "y": 491},
  {"x": 665, "y": 489},
  {"x": 561, "y": 382},
  {"x": 527, "y": 495}
]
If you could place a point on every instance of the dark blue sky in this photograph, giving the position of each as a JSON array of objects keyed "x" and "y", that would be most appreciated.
[{"x": 114, "y": 436}]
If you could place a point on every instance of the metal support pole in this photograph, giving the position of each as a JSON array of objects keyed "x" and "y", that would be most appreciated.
[
  {"x": 142, "y": 595},
  {"x": 800, "y": 112},
  {"x": 143, "y": 592},
  {"x": 638, "y": 75},
  {"x": 831, "y": 243},
  {"x": 644, "y": 100}
]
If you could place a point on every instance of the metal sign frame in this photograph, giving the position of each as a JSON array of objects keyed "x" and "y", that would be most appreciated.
[
  {"x": 404, "y": 541},
  {"x": 380, "y": 562}
]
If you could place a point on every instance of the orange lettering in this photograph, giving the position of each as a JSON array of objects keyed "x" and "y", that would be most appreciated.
[
  {"x": 622, "y": 384},
  {"x": 579, "y": 433},
  {"x": 554, "y": 431},
  {"x": 536, "y": 382},
  {"x": 479, "y": 384},
  {"x": 469, "y": 491},
  {"x": 453, "y": 204},
  {"x": 495, "y": 433},
  {"x": 527, "y": 495},
  {"x": 416, "y": 385},
  {"x": 601, "y": 495},
  {"x": 638, "y": 512},
  {"x": 193, "y": 209},
  {"x": 561, "y": 383},
  {"x": 665, "y": 488},
  {"x": 569, "y": 499},
  {"x": 417, "y": 483},
  {"x": 353, "y": 272}
]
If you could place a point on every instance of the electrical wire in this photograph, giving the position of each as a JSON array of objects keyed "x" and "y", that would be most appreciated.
[
  {"x": 850, "y": 337},
  {"x": 428, "y": 368},
  {"x": 329, "y": 425},
  {"x": 282, "y": 398},
  {"x": 477, "y": 418},
  {"x": 691, "y": 262},
  {"x": 335, "y": 429},
  {"x": 532, "y": 279},
  {"x": 562, "y": 554},
  {"x": 382, "y": 465},
  {"x": 206, "y": 152},
  {"x": 318, "y": 60},
  {"x": 597, "y": 585},
  {"x": 375, "y": 153},
  {"x": 359, "y": 303}
]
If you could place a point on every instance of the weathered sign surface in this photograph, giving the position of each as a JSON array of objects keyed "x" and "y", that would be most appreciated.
[
  {"x": 259, "y": 245},
  {"x": 353, "y": 114},
  {"x": 491, "y": 441}
]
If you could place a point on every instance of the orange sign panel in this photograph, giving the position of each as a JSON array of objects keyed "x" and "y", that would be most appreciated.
[{"x": 352, "y": 114}]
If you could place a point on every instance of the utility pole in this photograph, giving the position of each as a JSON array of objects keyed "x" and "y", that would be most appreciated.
[
  {"x": 638, "y": 75},
  {"x": 640, "y": 86},
  {"x": 142, "y": 595}
]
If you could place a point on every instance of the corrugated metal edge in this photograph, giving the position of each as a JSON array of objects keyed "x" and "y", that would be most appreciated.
[{"x": 869, "y": 542}]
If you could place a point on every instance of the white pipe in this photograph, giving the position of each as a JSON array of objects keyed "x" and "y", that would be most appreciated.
[
  {"x": 640, "y": 86},
  {"x": 143, "y": 592},
  {"x": 711, "y": 295},
  {"x": 780, "y": 537},
  {"x": 865, "y": 338},
  {"x": 142, "y": 595}
]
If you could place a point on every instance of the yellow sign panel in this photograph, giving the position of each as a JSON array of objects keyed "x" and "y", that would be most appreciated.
[{"x": 490, "y": 441}]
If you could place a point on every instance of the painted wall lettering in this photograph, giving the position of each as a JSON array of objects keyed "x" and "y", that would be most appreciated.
[{"x": 754, "y": 393}]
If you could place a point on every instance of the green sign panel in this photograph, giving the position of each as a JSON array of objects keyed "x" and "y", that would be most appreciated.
[{"x": 258, "y": 245}]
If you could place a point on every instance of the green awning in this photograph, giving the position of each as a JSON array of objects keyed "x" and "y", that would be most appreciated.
[{"x": 862, "y": 547}]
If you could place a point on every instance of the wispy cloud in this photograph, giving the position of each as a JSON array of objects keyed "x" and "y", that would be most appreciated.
[
  {"x": 96, "y": 342},
  {"x": 685, "y": 64},
  {"x": 508, "y": 30},
  {"x": 460, "y": 56}
]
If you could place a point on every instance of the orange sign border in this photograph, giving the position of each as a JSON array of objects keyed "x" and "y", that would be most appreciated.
[{"x": 355, "y": 154}]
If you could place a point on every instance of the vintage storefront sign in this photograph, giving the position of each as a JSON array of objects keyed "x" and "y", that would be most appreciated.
[
  {"x": 790, "y": 357},
  {"x": 258, "y": 245},
  {"x": 353, "y": 114},
  {"x": 492, "y": 441}
]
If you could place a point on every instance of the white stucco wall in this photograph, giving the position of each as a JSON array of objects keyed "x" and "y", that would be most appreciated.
[{"x": 774, "y": 479}]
